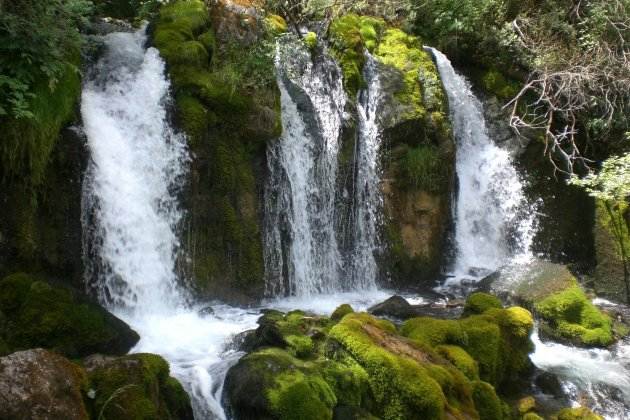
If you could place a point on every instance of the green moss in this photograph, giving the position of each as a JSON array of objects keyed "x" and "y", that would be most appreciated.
[
  {"x": 40, "y": 315},
  {"x": 298, "y": 396},
  {"x": 478, "y": 303},
  {"x": 460, "y": 359},
  {"x": 573, "y": 317},
  {"x": 137, "y": 387},
  {"x": 487, "y": 403},
  {"x": 208, "y": 40},
  {"x": 276, "y": 24},
  {"x": 310, "y": 40},
  {"x": 27, "y": 143},
  {"x": 526, "y": 405},
  {"x": 186, "y": 53},
  {"x": 191, "y": 15},
  {"x": 580, "y": 413},
  {"x": 401, "y": 388},
  {"x": 194, "y": 117},
  {"x": 300, "y": 346},
  {"x": 495, "y": 83},
  {"x": 423, "y": 168},
  {"x": 350, "y": 35},
  {"x": 341, "y": 311},
  {"x": 433, "y": 331},
  {"x": 532, "y": 416}
]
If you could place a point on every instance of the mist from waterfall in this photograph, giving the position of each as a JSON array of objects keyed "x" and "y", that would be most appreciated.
[{"x": 494, "y": 222}]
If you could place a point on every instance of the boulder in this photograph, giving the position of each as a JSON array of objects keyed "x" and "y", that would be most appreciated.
[
  {"x": 38, "y": 314},
  {"x": 137, "y": 386},
  {"x": 395, "y": 307},
  {"x": 40, "y": 385}
]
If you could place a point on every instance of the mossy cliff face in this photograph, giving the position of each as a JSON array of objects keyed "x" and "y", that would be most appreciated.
[
  {"x": 221, "y": 66},
  {"x": 35, "y": 314},
  {"x": 354, "y": 365},
  {"x": 610, "y": 231},
  {"x": 41, "y": 169},
  {"x": 418, "y": 159}
]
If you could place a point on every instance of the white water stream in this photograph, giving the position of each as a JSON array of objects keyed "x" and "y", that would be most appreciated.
[{"x": 494, "y": 223}]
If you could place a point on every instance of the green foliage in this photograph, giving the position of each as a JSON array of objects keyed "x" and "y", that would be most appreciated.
[
  {"x": 612, "y": 183},
  {"x": 573, "y": 317},
  {"x": 310, "y": 39},
  {"x": 478, "y": 303},
  {"x": 423, "y": 168},
  {"x": 496, "y": 83},
  {"x": 39, "y": 40},
  {"x": 297, "y": 396}
]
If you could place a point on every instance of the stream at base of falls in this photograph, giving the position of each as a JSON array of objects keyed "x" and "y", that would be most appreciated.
[{"x": 132, "y": 218}]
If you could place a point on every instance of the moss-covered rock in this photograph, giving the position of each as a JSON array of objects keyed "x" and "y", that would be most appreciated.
[
  {"x": 571, "y": 316},
  {"x": 478, "y": 303},
  {"x": 361, "y": 367},
  {"x": 40, "y": 315},
  {"x": 227, "y": 102},
  {"x": 497, "y": 340},
  {"x": 579, "y": 413},
  {"x": 135, "y": 387},
  {"x": 341, "y": 311}
]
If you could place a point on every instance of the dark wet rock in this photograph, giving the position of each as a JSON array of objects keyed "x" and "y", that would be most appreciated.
[
  {"x": 207, "y": 311},
  {"x": 549, "y": 384},
  {"x": 41, "y": 385},
  {"x": 395, "y": 306}
]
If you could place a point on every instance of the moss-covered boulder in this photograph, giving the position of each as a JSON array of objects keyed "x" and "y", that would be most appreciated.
[
  {"x": 359, "y": 366},
  {"x": 579, "y": 413},
  {"x": 498, "y": 340},
  {"x": 38, "y": 314},
  {"x": 39, "y": 384},
  {"x": 135, "y": 387},
  {"x": 221, "y": 65}
]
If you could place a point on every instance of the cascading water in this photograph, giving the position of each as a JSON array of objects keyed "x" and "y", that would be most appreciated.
[
  {"x": 368, "y": 200},
  {"x": 131, "y": 215},
  {"x": 494, "y": 227},
  {"x": 494, "y": 223},
  {"x": 301, "y": 253},
  {"x": 136, "y": 168}
]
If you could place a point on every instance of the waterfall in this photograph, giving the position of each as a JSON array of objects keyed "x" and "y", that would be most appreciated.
[
  {"x": 301, "y": 252},
  {"x": 131, "y": 215},
  {"x": 368, "y": 199},
  {"x": 136, "y": 169},
  {"x": 494, "y": 223}
]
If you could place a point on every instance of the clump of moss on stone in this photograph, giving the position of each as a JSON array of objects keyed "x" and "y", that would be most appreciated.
[
  {"x": 498, "y": 340},
  {"x": 137, "y": 387},
  {"x": 579, "y": 413},
  {"x": 310, "y": 40},
  {"x": 460, "y": 359},
  {"x": 276, "y": 24},
  {"x": 571, "y": 316},
  {"x": 350, "y": 35},
  {"x": 478, "y": 303},
  {"x": 487, "y": 402},
  {"x": 40, "y": 315},
  {"x": 341, "y": 311}
]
